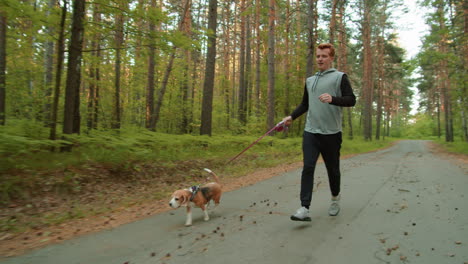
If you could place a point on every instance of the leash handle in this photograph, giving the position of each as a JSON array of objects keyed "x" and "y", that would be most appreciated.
[{"x": 280, "y": 124}]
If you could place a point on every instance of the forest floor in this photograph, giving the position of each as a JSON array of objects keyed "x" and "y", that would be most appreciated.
[{"x": 12, "y": 244}]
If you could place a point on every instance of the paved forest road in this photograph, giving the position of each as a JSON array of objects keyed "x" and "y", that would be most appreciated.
[{"x": 399, "y": 205}]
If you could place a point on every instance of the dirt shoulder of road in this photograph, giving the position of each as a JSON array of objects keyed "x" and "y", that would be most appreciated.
[
  {"x": 13, "y": 245},
  {"x": 457, "y": 158}
]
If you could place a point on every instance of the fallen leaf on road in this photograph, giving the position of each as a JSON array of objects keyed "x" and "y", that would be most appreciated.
[{"x": 389, "y": 251}]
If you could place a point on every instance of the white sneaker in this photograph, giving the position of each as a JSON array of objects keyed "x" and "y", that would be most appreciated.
[
  {"x": 334, "y": 207},
  {"x": 302, "y": 214}
]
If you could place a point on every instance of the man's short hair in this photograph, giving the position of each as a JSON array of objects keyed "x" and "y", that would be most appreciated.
[{"x": 327, "y": 46}]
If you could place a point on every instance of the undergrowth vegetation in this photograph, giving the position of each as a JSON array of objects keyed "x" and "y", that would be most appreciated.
[
  {"x": 109, "y": 169},
  {"x": 456, "y": 147}
]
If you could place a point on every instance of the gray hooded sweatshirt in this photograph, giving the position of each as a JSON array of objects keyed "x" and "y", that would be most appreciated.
[{"x": 324, "y": 118}]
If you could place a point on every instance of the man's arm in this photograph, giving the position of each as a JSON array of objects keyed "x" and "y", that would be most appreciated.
[
  {"x": 303, "y": 107},
  {"x": 347, "y": 96}
]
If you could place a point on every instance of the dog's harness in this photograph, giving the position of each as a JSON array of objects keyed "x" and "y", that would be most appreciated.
[{"x": 194, "y": 190}]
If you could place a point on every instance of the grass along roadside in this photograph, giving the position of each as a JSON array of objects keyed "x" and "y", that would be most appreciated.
[
  {"x": 460, "y": 147},
  {"x": 107, "y": 171},
  {"x": 103, "y": 197},
  {"x": 110, "y": 173}
]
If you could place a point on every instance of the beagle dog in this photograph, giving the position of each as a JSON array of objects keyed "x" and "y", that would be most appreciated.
[{"x": 199, "y": 196}]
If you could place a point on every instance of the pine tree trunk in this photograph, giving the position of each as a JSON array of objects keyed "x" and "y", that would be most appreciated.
[
  {"x": 165, "y": 81},
  {"x": 248, "y": 68},
  {"x": 71, "y": 123},
  {"x": 257, "y": 58},
  {"x": 439, "y": 129},
  {"x": 311, "y": 36},
  {"x": 242, "y": 89},
  {"x": 367, "y": 71},
  {"x": 444, "y": 78},
  {"x": 343, "y": 56},
  {"x": 333, "y": 22},
  {"x": 287, "y": 63},
  {"x": 91, "y": 93},
  {"x": 207, "y": 101},
  {"x": 234, "y": 41},
  {"x": 97, "y": 87},
  {"x": 94, "y": 74},
  {"x": 119, "y": 41},
  {"x": 162, "y": 91},
  {"x": 381, "y": 69},
  {"x": 27, "y": 27},
  {"x": 380, "y": 85},
  {"x": 58, "y": 73},
  {"x": 271, "y": 64},
  {"x": 49, "y": 68},
  {"x": 150, "y": 86},
  {"x": 226, "y": 63},
  {"x": 186, "y": 79},
  {"x": 3, "y": 30},
  {"x": 464, "y": 102}
]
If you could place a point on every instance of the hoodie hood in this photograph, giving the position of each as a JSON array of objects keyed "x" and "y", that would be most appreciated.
[{"x": 326, "y": 72}]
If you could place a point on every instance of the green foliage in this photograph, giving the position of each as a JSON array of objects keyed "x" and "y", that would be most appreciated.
[
  {"x": 455, "y": 147},
  {"x": 22, "y": 140},
  {"x": 442, "y": 66},
  {"x": 359, "y": 145},
  {"x": 422, "y": 127},
  {"x": 131, "y": 156},
  {"x": 25, "y": 150}
]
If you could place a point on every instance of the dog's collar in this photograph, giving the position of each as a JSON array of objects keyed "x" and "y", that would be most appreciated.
[{"x": 194, "y": 190}]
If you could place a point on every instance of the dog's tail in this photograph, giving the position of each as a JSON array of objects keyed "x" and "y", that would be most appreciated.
[{"x": 214, "y": 175}]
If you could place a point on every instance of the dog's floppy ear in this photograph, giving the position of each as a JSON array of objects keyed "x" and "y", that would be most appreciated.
[
  {"x": 183, "y": 200},
  {"x": 185, "y": 197}
]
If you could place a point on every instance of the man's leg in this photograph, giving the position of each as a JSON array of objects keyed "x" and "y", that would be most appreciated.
[
  {"x": 310, "y": 150},
  {"x": 330, "y": 149}
]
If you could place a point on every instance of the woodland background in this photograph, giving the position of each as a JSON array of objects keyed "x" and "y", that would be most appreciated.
[
  {"x": 202, "y": 67},
  {"x": 100, "y": 97}
]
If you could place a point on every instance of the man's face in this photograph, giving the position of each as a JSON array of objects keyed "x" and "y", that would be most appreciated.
[{"x": 324, "y": 61}]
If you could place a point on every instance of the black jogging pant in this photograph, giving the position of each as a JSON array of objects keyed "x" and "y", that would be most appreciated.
[{"x": 329, "y": 147}]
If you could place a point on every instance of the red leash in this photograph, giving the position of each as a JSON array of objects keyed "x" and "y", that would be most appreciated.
[{"x": 279, "y": 127}]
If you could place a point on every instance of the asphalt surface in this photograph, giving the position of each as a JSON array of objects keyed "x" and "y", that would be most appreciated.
[{"x": 399, "y": 205}]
